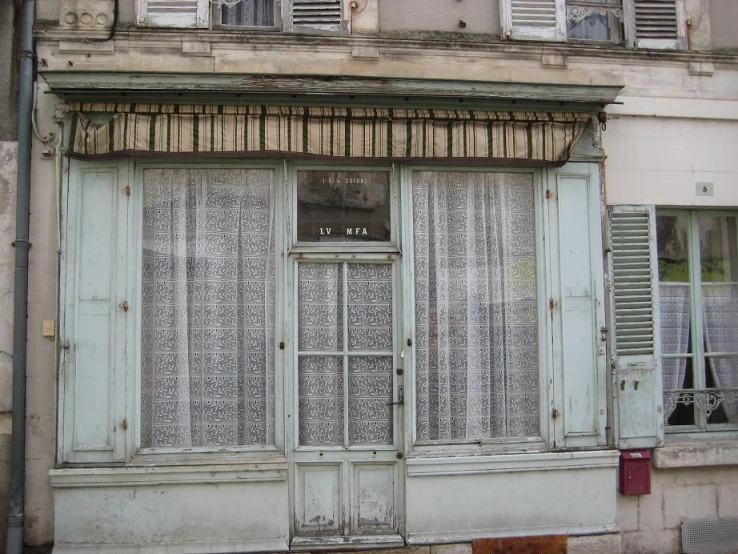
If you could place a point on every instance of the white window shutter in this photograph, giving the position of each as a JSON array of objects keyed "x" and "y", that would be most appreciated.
[
  {"x": 94, "y": 323},
  {"x": 657, "y": 23},
  {"x": 533, "y": 19},
  {"x": 174, "y": 13},
  {"x": 317, "y": 15},
  {"x": 577, "y": 307},
  {"x": 636, "y": 347}
]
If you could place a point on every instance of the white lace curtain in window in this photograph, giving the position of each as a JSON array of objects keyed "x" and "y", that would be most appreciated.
[
  {"x": 720, "y": 313},
  {"x": 674, "y": 300},
  {"x": 207, "y": 376},
  {"x": 475, "y": 305}
]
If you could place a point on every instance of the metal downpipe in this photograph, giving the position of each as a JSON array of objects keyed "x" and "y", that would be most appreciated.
[{"x": 16, "y": 517}]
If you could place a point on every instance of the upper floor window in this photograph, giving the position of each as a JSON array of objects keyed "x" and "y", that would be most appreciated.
[
  {"x": 248, "y": 13},
  {"x": 600, "y": 20},
  {"x": 287, "y": 15},
  {"x": 641, "y": 23}
]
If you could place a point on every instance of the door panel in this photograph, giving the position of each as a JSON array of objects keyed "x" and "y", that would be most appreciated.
[{"x": 346, "y": 461}]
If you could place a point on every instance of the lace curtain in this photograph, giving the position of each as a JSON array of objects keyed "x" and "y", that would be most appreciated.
[
  {"x": 475, "y": 305},
  {"x": 719, "y": 309},
  {"x": 250, "y": 13},
  {"x": 345, "y": 341},
  {"x": 207, "y": 375},
  {"x": 720, "y": 313},
  {"x": 674, "y": 300}
]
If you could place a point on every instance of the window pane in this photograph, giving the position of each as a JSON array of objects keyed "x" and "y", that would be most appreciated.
[
  {"x": 320, "y": 310},
  {"x": 250, "y": 13},
  {"x": 722, "y": 375},
  {"x": 675, "y": 301},
  {"x": 599, "y": 20},
  {"x": 321, "y": 400},
  {"x": 673, "y": 248},
  {"x": 207, "y": 308},
  {"x": 476, "y": 305},
  {"x": 343, "y": 206},
  {"x": 718, "y": 250}
]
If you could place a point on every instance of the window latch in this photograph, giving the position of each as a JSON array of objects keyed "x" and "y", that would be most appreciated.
[{"x": 400, "y": 397}]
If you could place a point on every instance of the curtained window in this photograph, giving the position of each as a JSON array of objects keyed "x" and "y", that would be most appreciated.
[
  {"x": 475, "y": 306},
  {"x": 207, "y": 375},
  {"x": 698, "y": 283},
  {"x": 248, "y": 13}
]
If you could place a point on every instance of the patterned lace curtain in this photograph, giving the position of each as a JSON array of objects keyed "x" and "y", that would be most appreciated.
[
  {"x": 208, "y": 308},
  {"x": 720, "y": 313},
  {"x": 250, "y": 13},
  {"x": 675, "y": 321},
  {"x": 475, "y": 305}
]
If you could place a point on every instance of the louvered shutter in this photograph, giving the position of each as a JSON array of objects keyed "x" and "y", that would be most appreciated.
[
  {"x": 174, "y": 13},
  {"x": 534, "y": 19},
  {"x": 94, "y": 327},
  {"x": 657, "y": 23},
  {"x": 320, "y": 15},
  {"x": 636, "y": 344}
]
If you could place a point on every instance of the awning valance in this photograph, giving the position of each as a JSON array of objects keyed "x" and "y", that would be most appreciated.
[{"x": 541, "y": 138}]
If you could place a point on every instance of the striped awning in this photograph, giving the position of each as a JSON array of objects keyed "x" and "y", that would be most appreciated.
[{"x": 541, "y": 138}]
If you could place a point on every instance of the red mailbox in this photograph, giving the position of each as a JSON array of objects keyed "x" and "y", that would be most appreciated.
[{"x": 635, "y": 472}]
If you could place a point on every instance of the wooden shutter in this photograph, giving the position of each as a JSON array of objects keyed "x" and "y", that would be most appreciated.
[
  {"x": 174, "y": 13},
  {"x": 534, "y": 19},
  {"x": 310, "y": 15},
  {"x": 577, "y": 307},
  {"x": 94, "y": 321},
  {"x": 657, "y": 23},
  {"x": 636, "y": 345}
]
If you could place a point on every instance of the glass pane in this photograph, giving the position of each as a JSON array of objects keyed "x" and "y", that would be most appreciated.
[
  {"x": 320, "y": 307},
  {"x": 675, "y": 319},
  {"x": 370, "y": 307},
  {"x": 718, "y": 249},
  {"x": 343, "y": 206},
  {"x": 207, "y": 330},
  {"x": 720, "y": 315},
  {"x": 722, "y": 373},
  {"x": 320, "y": 383},
  {"x": 672, "y": 232},
  {"x": 587, "y": 21},
  {"x": 250, "y": 13},
  {"x": 370, "y": 397}
]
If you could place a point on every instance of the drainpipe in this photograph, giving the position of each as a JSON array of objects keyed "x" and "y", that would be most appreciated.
[{"x": 20, "y": 318}]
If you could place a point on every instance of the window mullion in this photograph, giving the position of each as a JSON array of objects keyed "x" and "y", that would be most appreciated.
[{"x": 698, "y": 331}]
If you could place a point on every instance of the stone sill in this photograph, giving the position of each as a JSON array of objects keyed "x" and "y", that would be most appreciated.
[{"x": 675, "y": 456}]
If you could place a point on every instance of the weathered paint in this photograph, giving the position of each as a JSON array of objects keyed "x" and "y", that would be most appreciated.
[
  {"x": 677, "y": 126},
  {"x": 8, "y": 156}
]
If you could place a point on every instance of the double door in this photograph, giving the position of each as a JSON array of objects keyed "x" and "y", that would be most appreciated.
[{"x": 345, "y": 416}]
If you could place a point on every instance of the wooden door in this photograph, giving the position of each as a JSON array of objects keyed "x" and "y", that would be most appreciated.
[{"x": 347, "y": 467}]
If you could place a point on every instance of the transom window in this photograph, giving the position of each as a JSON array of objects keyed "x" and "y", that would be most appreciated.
[{"x": 698, "y": 284}]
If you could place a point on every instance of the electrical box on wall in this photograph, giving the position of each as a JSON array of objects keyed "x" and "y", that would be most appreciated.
[{"x": 635, "y": 472}]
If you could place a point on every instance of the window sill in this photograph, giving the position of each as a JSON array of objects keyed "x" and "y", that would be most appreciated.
[
  {"x": 675, "y": 456},
  {"x": 167, "y": 475},
  {"x": 510, "y": 463}
]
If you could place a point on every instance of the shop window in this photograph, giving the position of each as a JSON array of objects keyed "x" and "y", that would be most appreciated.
[
  {"x": 207, "y": 308},
  {"x": 476, "y": 306},
  {"x": 285, "y": 15}
]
